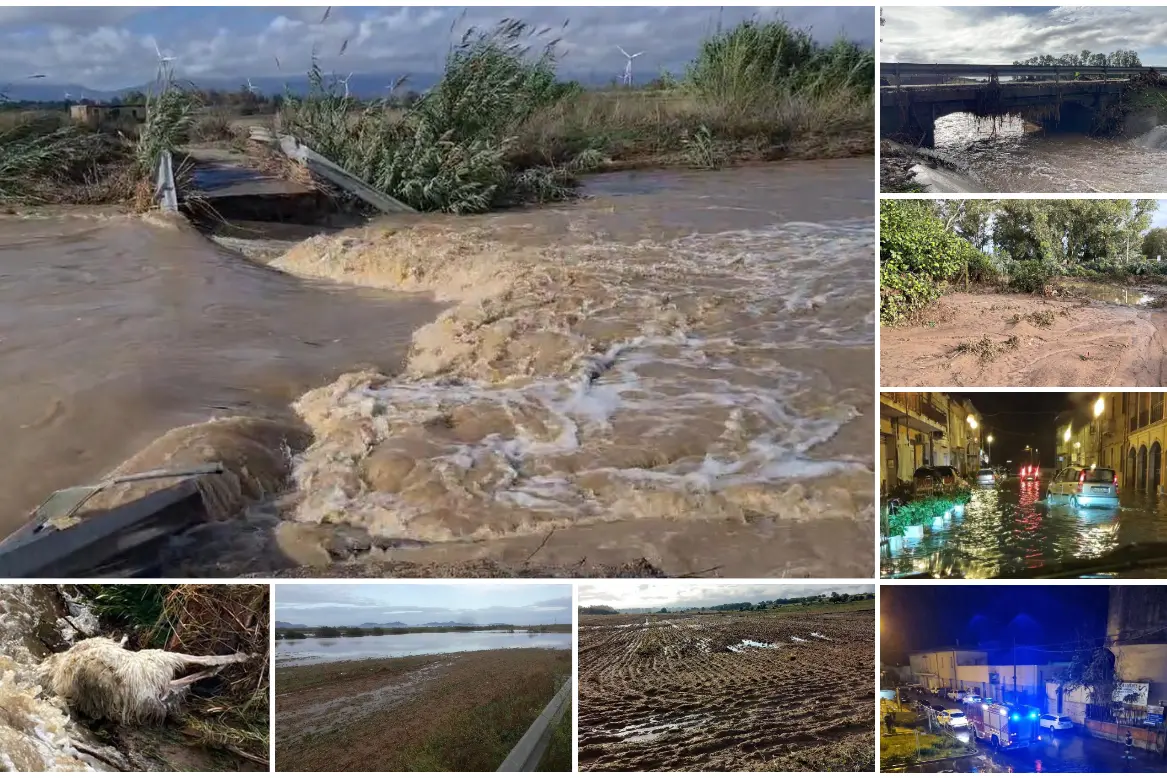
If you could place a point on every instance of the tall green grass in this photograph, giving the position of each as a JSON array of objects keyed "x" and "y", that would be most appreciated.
[{"x": 448, "y": 151}]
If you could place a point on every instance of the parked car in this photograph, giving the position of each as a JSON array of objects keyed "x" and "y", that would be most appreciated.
[
  {"x": 954, "y": 695},
  {"x": 953, "y": 717},
  {"x": 970, "y": 698},
  {"x": 986, "y": 476},
  {"x": 1050, "y": 721},
  {"x": 950, "y": 478},
  {"x": 1084, "y": 487}
]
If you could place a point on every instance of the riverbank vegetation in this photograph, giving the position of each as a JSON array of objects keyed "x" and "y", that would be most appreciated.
[
  {"x": 448, "y": 712},
  {"x": 930, "y": 247},
  {"x": 500, "y": 127},
  {"x": 232, "y": 714}
]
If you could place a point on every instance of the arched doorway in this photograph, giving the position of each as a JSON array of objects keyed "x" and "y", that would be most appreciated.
[
  {"x": 1141, "y": 469},
  {"x": 1128, "y": 478},
  {"x": 1155, "y": 468}
]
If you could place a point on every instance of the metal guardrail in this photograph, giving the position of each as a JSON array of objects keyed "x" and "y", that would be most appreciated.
[
  {"x": 529, "y": 751},
  {"x": 165, "y": 190},
  {"x": 936, "y": 69},
  {"x": 329, "y": 170}
]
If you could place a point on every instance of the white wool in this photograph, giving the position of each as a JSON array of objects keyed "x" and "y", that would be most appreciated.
[{"x": 103, "y": 680}]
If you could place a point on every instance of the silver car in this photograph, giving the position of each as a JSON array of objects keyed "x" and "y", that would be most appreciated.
[
  {"x": 1084, "y": 487},
  {"x": 986, "y": 476}
]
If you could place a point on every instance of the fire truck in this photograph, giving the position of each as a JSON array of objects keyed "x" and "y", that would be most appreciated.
[{"x": 1004, "y": 726}]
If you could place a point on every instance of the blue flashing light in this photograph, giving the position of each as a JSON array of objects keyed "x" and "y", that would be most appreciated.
[
  {"x": 1016, "y": 717},
  {"x": 1033, "y": 715}
]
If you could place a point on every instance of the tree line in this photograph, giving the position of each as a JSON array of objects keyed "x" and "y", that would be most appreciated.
[
  {"x": 1120, "y": 58},
  {"x": 926, "y": 246}
]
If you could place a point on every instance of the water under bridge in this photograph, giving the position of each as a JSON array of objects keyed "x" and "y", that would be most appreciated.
[{"x": 913, "y": 96}]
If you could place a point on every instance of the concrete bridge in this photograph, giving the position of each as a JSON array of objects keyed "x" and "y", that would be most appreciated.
[{"x": 912, "y": 96}]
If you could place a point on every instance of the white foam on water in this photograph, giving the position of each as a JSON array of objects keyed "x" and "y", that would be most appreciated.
[
  {"x": 797, "y": 639},
  {"x": 702, "y": 404},
  {"x": 820, "y": 637}
]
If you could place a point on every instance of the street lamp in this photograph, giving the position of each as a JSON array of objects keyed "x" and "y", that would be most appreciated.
[
  {"x": 989, "y": 440},
  {"x": 1099, "y": 406},
  {"x": 1066, "y": 436},
  {"x": 972, "y": 422}
]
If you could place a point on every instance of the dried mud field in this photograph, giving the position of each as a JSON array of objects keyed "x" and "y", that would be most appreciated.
[
  {"x": 728, "y": 691},
  {"x": 988, "y": 339}
]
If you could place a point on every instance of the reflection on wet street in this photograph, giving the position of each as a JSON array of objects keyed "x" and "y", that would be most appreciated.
[
  {"x": 1067, "y": 752},
  {"x": 1010, "y": 530}
]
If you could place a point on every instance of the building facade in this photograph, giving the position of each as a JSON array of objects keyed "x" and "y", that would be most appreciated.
[
  {"x": 925, "y": 428},
  {"x": 940, "y": 668},
  {"x": 1127, "y": 436}
]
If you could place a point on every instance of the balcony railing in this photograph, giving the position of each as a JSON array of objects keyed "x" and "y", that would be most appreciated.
[{"x": 915, "y": 402}]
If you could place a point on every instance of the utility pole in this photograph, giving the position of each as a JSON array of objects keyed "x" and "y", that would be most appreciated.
[{"x": 1014, "y": 669}]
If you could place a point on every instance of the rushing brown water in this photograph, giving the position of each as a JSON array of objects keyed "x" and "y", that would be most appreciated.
[
  {"x": 678, "y": 368},
  {"x": 1005, "y": 155},
  {"x": 114, "y": 330}
]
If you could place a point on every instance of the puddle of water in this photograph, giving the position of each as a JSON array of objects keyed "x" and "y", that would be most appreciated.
[
  {"x": 797, "y": 639},
  {"x": 312, "y": 651}
]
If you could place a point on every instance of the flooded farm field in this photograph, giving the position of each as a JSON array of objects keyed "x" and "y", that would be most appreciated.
[
  {"x": 320, "y": 650},
  {"x": 727, "y": 691},
  {"x": 1103, "y": 336},
  {"x": 677, "y": 368},
  {"x": 412, "y": 713}
]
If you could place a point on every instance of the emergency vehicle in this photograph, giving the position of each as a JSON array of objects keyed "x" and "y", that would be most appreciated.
[{"x": 1005, "y": 726}]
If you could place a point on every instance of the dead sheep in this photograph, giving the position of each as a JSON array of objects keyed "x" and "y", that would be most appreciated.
[{"x": 104, "y": 680}]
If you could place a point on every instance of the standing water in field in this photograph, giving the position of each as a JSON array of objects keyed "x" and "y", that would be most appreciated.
[{"x": 679, "y": 368}]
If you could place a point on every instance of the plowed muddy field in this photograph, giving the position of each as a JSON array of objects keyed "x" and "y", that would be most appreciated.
[{"x": 727, "y": 691}]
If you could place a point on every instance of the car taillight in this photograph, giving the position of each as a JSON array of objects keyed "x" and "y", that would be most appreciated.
[{"x": 1081, "y": 477}]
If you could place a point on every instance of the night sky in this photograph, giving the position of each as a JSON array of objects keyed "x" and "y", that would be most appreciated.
[
  {"x": 1049, "y": 618},
  {"x": 1018, "y": 419}
]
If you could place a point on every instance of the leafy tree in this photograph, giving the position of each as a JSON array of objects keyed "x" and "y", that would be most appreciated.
[
  {"x": 377, "y": 631},
  {"x": 1155, "y": 243},
  {"x": 328, "y": 632}
]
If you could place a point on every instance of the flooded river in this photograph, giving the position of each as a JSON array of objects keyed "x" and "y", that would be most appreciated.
[
  {"x": 677, "y": 368},
  {"x": 312, "y": 651},
  {"x": 1007, "y": 156},
  {"x": 1010, "y": 530}
]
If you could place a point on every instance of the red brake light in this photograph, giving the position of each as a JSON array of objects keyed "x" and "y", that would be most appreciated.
[{"x": 1082, "y": 477}]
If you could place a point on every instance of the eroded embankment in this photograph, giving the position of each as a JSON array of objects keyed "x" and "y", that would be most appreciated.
[
  {"x": 1019, "y": 340},
  {"x": 707, "y": 378}
]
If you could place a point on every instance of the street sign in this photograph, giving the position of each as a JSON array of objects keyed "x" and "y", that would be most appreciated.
[{"x": 1153, "y": 719}]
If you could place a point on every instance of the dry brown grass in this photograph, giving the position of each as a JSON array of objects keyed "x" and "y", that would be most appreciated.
[{"x": 466, "y": 714}]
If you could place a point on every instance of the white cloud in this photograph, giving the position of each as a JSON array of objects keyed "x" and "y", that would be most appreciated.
[
  {"x": 672, "y": 594},
  {"x": 987, "y": 35},
  {"x": 108, "y": 48}
]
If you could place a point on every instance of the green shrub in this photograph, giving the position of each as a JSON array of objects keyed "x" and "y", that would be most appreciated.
[
  {"x": 917, "y": 257},
  {"x": 1030, "y": 275}
]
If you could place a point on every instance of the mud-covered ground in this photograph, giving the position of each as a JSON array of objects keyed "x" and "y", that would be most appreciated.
[
  {"x": 727, "y": 691},
  {"x": 988, "y": 339},
  {"x": 430, "y": 712}
]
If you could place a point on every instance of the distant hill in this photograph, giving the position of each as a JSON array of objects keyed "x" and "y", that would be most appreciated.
[
  {"x": 448, "y": 624},
  {"x": 286, "y": 625},
  {"x": 370, "y": 625}
]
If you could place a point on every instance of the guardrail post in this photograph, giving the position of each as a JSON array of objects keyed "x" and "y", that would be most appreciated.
[{"x": 165, "y": 190}]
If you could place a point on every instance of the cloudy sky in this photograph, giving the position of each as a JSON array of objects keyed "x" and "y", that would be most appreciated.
[
  {"x": 1003, "y": 34},
  {"x": 105, "y": 47},
  {"x": 687, "y": 594},
  {"x": 317, "y": 605}
]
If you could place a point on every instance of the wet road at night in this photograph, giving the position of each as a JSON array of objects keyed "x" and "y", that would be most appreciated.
[{"x": 1009, "y": 531}]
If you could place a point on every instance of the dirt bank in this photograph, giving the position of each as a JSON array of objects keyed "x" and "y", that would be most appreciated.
[
  {"x": 1020, "y": 340},
  {"x": 727, "y": 691},
  {"x": 433, "y": 712}
]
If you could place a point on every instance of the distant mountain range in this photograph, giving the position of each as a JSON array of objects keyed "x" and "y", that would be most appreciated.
[
  {"x": 370, "y": 624},
  {"x": 286, "y": 625}
]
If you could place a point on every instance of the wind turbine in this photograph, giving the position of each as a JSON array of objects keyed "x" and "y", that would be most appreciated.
[
  {"x": 251, "y": 88},
  {"x": 345, "y": 80},
  {"x": 627, "y": 80},
  {"x": 161, "y": 57}
]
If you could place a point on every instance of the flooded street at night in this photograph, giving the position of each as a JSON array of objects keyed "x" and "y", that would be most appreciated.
[{"x": 1010, "y": 531}]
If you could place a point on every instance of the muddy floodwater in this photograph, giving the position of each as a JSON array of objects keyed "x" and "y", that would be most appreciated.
[
  {"x": 1006, "y": 155},
  {"x": 321, "y": 650},
  {"x": 677, "y": 367}
]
